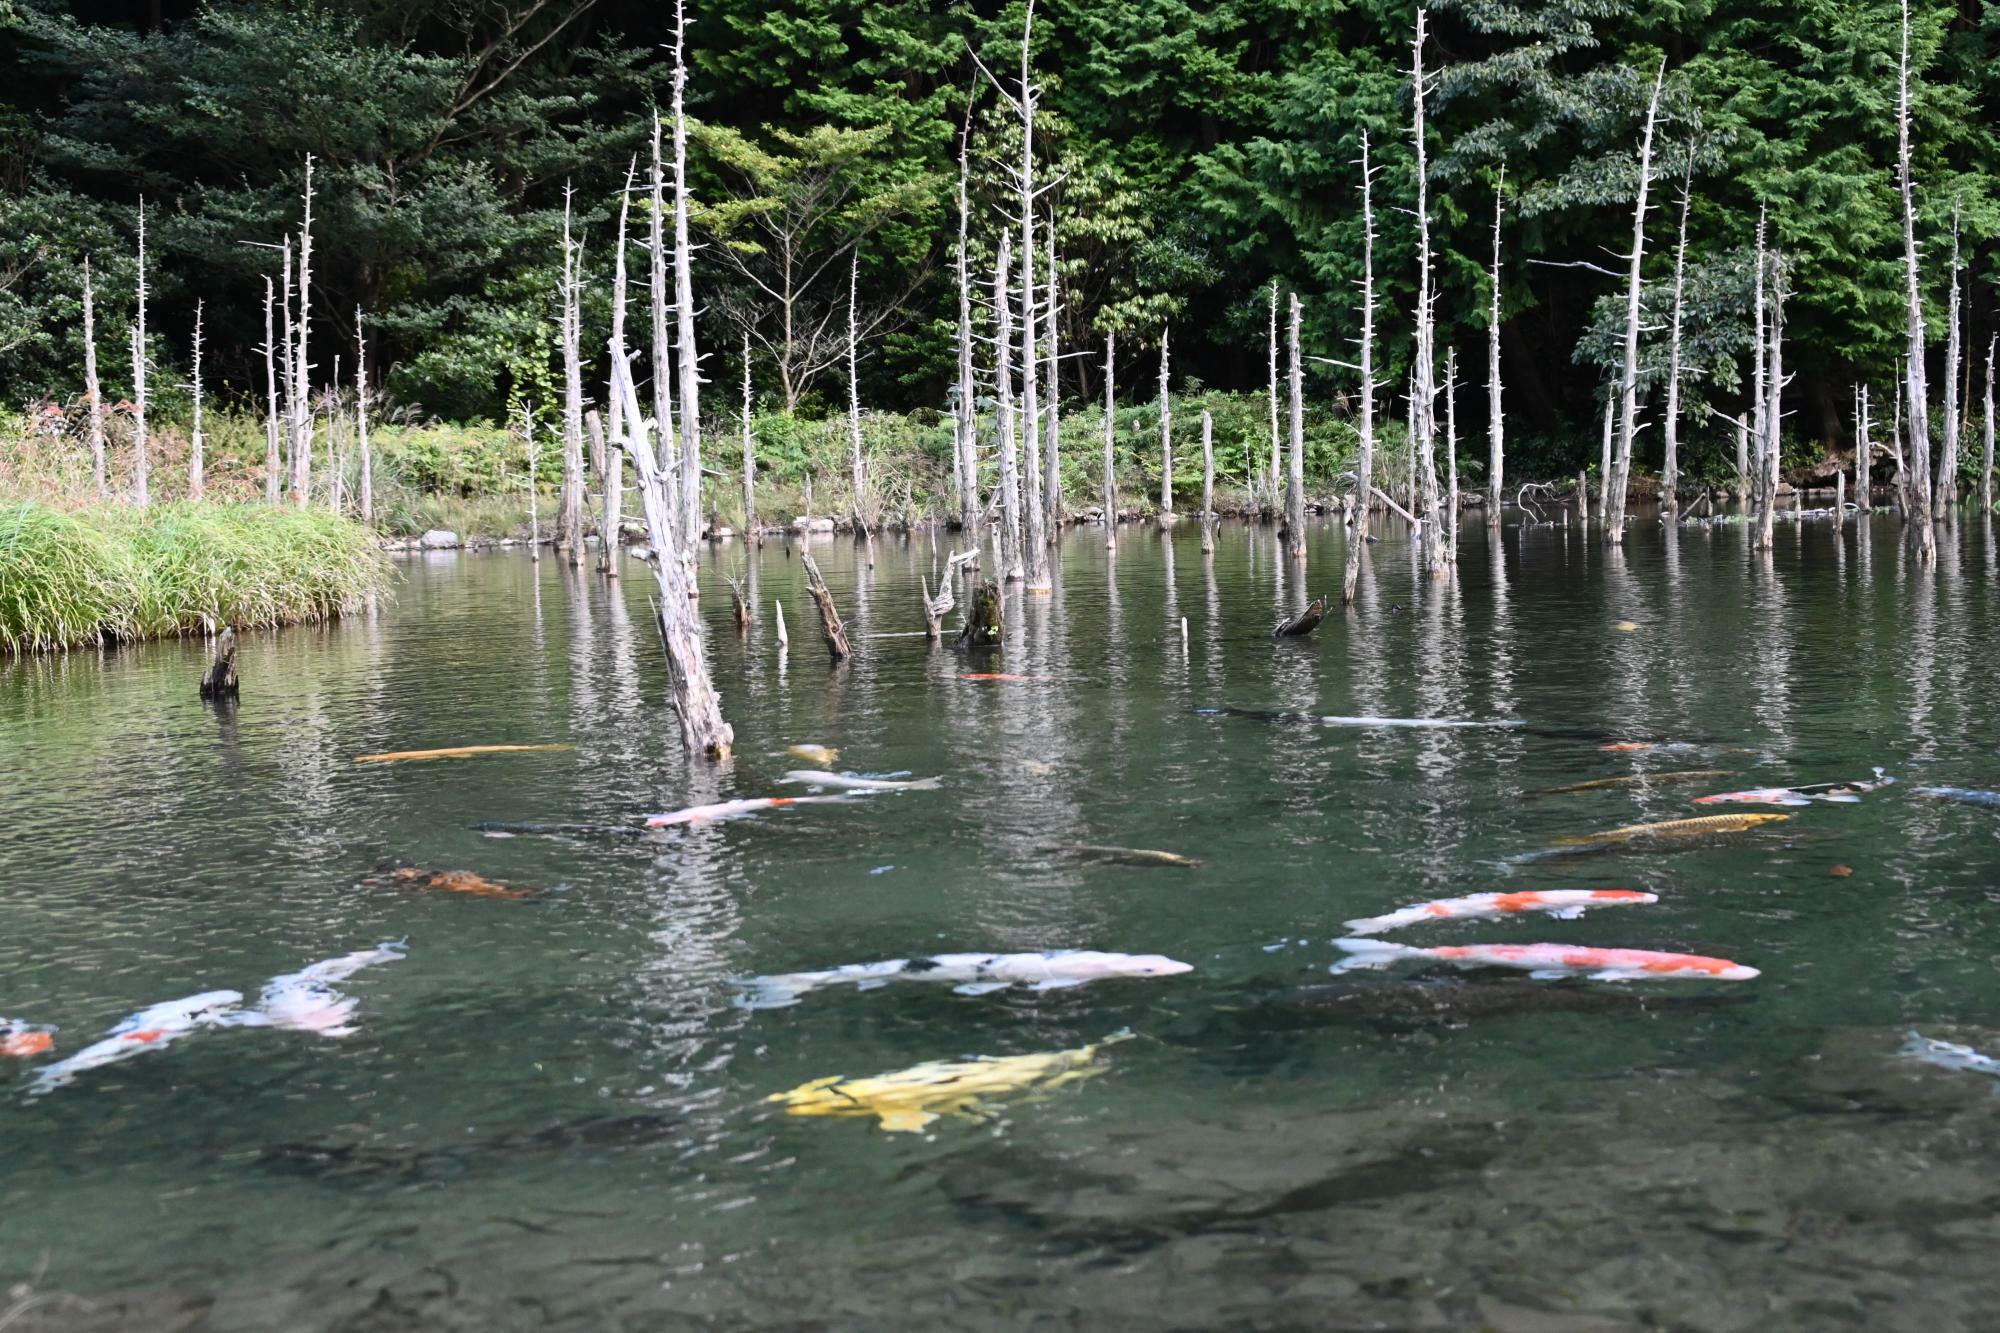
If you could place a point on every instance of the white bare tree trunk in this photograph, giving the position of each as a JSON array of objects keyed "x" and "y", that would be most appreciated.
[
  {"x": 1773, "y": 415},
  {"x": 1604, "y": 455},
  {"x": 140, "y": 495},
  {"x": 1364, "y": 464},
  {"x": 1207, "y": 482},
  {"x": 1424, "y": 392},
  {"x": 689, "y": 359},
  {"x": 1628, "y": 378},
  {"x": 965, "y": 438},
  {"x": 1166, "y": 435},
  {"x": 93, "y": 392},
  {"x": 1052, "y": 455},
  {"x": 749, "y": 453},
  {"x": 1986, "y": 463},
  {"x": 273, "y": 481},
  {"x": 569, "y": 511},
  {"x": 1670, "y": 474},
  {"x": 1110, "y": 436},
  {"x": 1917, "y": 486},
  {"x": 1295, "y": 485},
  {"x": 610, "y": 525},
  {"x": 1034, "y": 538},
  {"x": 663, "y": 360},
  {"x": 857, "y": 465},
  {"x": 1451, "y": 454},
  {"x": 1743, "y": 444},
  {"x": 1277, "y": 445},
  {"x": 197, "y": 467},
  {"x": 302, "y": 417},
  {"x": 1003, "y": 374},
  {"x": 1947, "y": 478},
  {"x": 1496, "y": 454},
  {"x": 534, "y": 484}
]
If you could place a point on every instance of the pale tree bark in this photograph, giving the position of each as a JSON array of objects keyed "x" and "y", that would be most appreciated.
[
  {"x": 302, "y": 417},
  {"x": 1295, "y": 485},
  {"x": 663, "y": 360},
  {"x": 1451, "y": 454},
  {"x": 685, "y": 353},
  {"x": 534, "y": 484},
  {"x": 569, "y": 510},
  {"x": 273, "y": 481},
  {"x": 857, "y": 465},
  {"x": 1986, "y": 463},
  {"x": 749, "y": 453},
  {"x": 1052, "y": 455},
  {"x": 965, "y": 438},
  {"x": 1166, "y": 435},
  {"x": 95, "y": 393},
  {"x": 1917, "y": 486},
  {"x": 1863, "y": 450},
  {"x": 1424, "y": 392},
  {"x": 285, "y": 368},
  {"x": 1604, "y": 455},
  {"x": 1759, "y": 368},
  {"x": 1496, "y": 454},
  {"x": 1896, "y": 442},
  {"x": 1947, "y": 478},
  {"x": 1364, "y": 465},
  {"x": 1670, "y": 473},
  {"x": 1743, "y": 441},
  {"x": 1277, "y": 446},
  {"x": 1110, "y": 437},
  {"x": 197, "y": 467},
  {"x": 140, "y": 494},
  {"x": 1628, "y": 379},
  {"x": 1773, "y": 413},
  {"x": 610, "y": 537},
  {"x": 1003, "y": 375},
  {"x": 1207, "y": 482},
  {"x": 703, "y": 731},
  {"x": 1034, "y": 538},
  {"x": 361, "y": 421}
]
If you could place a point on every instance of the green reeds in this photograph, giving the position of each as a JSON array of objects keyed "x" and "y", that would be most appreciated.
[{"x": 69, "y": 579}]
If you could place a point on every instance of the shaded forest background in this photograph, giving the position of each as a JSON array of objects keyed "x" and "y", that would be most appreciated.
[{"x": 1202, "y": 152}]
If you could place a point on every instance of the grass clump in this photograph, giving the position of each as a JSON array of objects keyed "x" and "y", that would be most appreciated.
[{"x": 68, "y": 579}]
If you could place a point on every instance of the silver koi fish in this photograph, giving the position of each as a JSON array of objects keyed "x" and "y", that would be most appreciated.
[
  {"x": 1835, "y": 793},
  {"x": 854, "y": 783},
  {"x": 1562, "y": 904},
  {"x": 1949, "y": 1055},
  {"x": 1423, "y": 723},
  {"x": 306, "y": 1001},
  {"x": 147, "y": 1030},
  {"x": 702, "y": 814},
  {"x": 967, "y": 973}
]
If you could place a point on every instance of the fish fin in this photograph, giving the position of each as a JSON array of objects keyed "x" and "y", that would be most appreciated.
[
  {"x": 1611, "y": 974},
  {"x": 1058, "y": 983},
  {"x": 1367, "y": 925},
  {"x": 767, "y": 997},
  {"x": 1842, "y": 798},
  {"x": 980, "y": 987},
  {"x": 1369, "y": 953},
  {"x": 1548, "y": 974},
  {"x": 1566, "y": 913},
  {"x": 871, "y": 983},
  {"x": 905, "y": 1121}
]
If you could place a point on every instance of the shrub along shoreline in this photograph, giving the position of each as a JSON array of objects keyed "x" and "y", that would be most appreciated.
[{"x": 111, "y": 573}]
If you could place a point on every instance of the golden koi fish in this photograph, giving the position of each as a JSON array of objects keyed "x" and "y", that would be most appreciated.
[
  {"x": 909, "y": 1099},
  {"x": 823, "y": 755},
  {"x": 1672, "y": 828},
  {"x": 451, "y": 752},
  {"x": 1641, "y": 780}
]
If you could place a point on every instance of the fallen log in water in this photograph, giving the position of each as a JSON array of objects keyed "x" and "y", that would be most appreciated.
[
  {"x": 830, "y": 627},
  {"x": 1302, "y": 624}
]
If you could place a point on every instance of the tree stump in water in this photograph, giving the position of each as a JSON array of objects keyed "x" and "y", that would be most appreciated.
[
  {"x": 1302, "y": 624},
  {"x": 220, "y": 682},
  {"x": 936, "y": 607},
  {"x": 741, "y": 605},
  {"x": 830, "y": 627},
  {"x": 984, "y": 618}
]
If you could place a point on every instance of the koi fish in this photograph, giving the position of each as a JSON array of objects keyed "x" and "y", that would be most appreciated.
[
  {"x": 1426, "y": 723},
  {"x": 701, "y": 814},
  {"x": 849, "y": 782},
  {"x": 306, "y": 1001},
  {"x": 906, "y": 1101},
  {"x": 149, "y": 1029},
  {"x": 1640, "y": 780},
  {"x": 1949, "y": 1055},
  {"x": 1127, "y": 856},
  {"x": 968, "y": 973},
  {"x": 1000, "y": 675},
  {"x": 451, "y": 752},
  {"x": 1838, "y": 793},
  {"x": 1562, "y": 904},
  {"x": 1648, "y": 747},
  {"x": 1702, "y": 826},
  {"x": 22, "y": 1039},
  {"x": 1962, "y": 795},
  {"x": 445, "y": 881},
  {"x": 823, "y": 755},
  {"x": 1549, "y": 962}
]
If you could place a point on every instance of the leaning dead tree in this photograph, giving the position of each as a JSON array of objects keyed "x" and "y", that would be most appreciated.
[
  {"x": 1628, "y": 376},
  {"x": 1670, "y": 473},
  {"x": 1003, "y": 375},
  {"x": 299, "y": 383},
  {"x": 1423, "y": 404},
  {"x": 1495, "y": 427},
  {"x": 1110, "y": 436},
  {"x": 1364, "y": 463},
  {"x": 1295, "y": 479},
  {"x": 95, "y": 393},
  {"x": 1166, "y": 435},
  {"x": 139, "y": 492},
  {"x": 830, "y": 627},
  {"x": 1947, "y": 478},
  {"x": 1917, "y": 477},
  {"x": 569, "y": 508},
  {"x": 689, "y": 359},
  {"x": 196, "y": 463},
  {"x": 702, "y": 729}
]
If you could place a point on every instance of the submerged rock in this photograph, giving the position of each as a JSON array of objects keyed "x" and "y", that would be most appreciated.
[{"x": 438, "y": 539}]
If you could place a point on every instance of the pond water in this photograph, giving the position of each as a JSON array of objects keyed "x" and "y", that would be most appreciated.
[{"x": 551, "y": 1113}]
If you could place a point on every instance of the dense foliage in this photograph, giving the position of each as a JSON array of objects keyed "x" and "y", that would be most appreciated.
[{"x": 1201, "y": 151}]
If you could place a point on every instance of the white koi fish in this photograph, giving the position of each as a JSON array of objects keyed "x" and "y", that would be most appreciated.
[
  {"x": 968, "y": 973},
  {"x": 1429, "y": 723},
  {"x": 701, "y": 814},
  {"x": 1836, "y": 793},
  {"x": 1549, "y": 962},
  {"x": 306, "y": 1001},
  {"x": 850, "y": 782},
  {"x": 147, "y": 1030},
  {"x": 1562, "y": 904},
  {"x": 1949, "y": 1055}
]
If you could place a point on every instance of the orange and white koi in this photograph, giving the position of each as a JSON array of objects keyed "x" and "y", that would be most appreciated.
[
  {"x": 1837, "y": 793},
  {"x": 1562, "y": 904},
  {"x": 1549, "y": 962},
  {"x": 22, "y": 1039},
  {"x": 702, "y": 814},
  {"x": 149, "y": 1029}
]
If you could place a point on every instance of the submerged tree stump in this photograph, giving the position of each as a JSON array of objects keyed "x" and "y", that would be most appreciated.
[
  {"x": 984, "y": 618},
  {"x": 830, "y": 627},
  {"x": 1302, "y": 624},
  {"x": 741, "y": 605},
  {"x": 935, "y": 608},
  {"x": 220, "y": 682}
]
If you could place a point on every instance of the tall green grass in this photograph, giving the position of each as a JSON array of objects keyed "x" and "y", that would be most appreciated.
[{"x": 69, "y": 579}]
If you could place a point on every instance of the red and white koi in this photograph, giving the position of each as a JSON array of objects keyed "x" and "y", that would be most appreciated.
[
  {"x": 1562, "y": 904},
  {"x": 702, "y": 814},
  {"x": 1835, "y": 793},
  {"x": 22, "y": 1039},
  {"x": 1550, "y": 962},
  {"x": 148, "y": 1030}
]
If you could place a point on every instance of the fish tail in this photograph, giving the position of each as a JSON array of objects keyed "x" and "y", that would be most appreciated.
[
  {"x": 768, "y": 992},
  {"x": 1113, "y": 1038},
  {"x": 1370, "y": 953}
]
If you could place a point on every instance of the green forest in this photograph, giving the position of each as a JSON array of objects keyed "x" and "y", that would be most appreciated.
[{"x": 1195, "y": 154}]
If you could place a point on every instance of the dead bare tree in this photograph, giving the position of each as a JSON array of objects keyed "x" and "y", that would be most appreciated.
[
  {"x": 1295, "y": 484},
  {"x": 1986, "y": 464},
  {"x": 1495, "y": 423},
  {"x": 965, "y": 439},
  {"x": 95, "y": 393},
  {"x": 1364, "y": 465},
  {"x": 857, "y": 465},
  {"x": 569, "y": 509},
  {"x": 140, "y": 494},
  {"x": 534, "y": 484},
  {"x": 301, "y": 396},
  {"x": 1947, "y": 478},
  {"x": 1208, "y": 482},
  {"x": 1862, "y": 448},
  {"x": 273, "y": 481},
  {"x": 196, "y": 463},
  {"x": 663, "y": 361},
  {"x": 1271, "y": 348},
  {"x": 1670, "y": 473},
  {"x": 830, "y": 627},
  {"x": 1110, "y": 435},
  {"x": 749, "y": 453},
  {"x": 1628, "y": 378},
  {"x": 1917, "y": 486},
  {"x": 1774, "y": 386},
  {"x": 361, "y": 421},
  {"x": 1424, "y": 391},
  {"x": 689, "y": 359},
  {"x": 1451, "y": 454},
  {"x": 611, "y": 451},
  {"x": 1166, "y": 435},
  {"x": 1003, "y": 373},
  {"x": 1052, "y": 455}
]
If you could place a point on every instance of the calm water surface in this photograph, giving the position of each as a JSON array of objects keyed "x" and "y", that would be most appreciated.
[{"x": 551, "y": 1115}]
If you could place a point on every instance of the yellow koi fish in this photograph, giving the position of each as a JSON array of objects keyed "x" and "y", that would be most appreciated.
[
  {"x": 451, "y": 752},
  {"x": 909, "y": 1099},
  {"x": 823, "y": 755},
  {"x": 1672, "y": 828}
]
